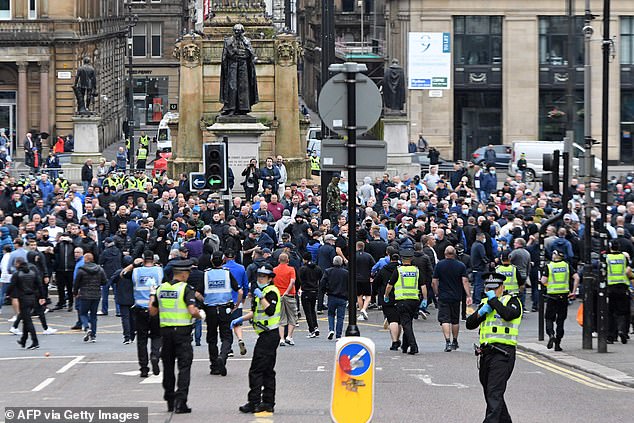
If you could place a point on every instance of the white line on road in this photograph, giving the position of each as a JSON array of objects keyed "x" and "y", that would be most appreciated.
[
  {"x": 153, "y": 379},
  {"x": 134, "y": 361},
  {"x": 319, "y": 369},
  {"x": 43, "y": 385},
  {"x": 71, "y": 364},
  {"x": 427, "y": 380},
  {"x": 36, "y": 357}
]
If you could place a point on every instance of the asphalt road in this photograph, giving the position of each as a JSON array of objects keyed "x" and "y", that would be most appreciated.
[{"x": 431, "y": 387}]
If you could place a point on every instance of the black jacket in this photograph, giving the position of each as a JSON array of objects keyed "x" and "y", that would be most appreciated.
[
  {"x": 86, "y": 173},
  {"x": 26, "y": 283},
  {"x": 90, "y": 278},
  {"x": 380, "y": 282},
  {"x": 64, "y": 256},
  {"x": 365, "y": 262},
  {"x": 424, "y": 265},
  {"x": 125, "y": 287},
  {"x": 110, "y": 260},
  {"x": 309, "y": 277},
  {"x": 335, "y": 282}
]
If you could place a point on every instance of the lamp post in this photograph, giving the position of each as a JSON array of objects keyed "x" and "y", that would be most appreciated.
[
  {"x": 131, "y": 21},
  {"x": 360, "y": 4}
]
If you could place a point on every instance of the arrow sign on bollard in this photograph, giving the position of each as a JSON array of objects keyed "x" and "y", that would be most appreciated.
[{"x": 197, "y": 181}]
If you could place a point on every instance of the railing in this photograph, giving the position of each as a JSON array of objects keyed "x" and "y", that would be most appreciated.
[
  {"x": 46, "y": 29},
  {"x": 371, "y": 49}
]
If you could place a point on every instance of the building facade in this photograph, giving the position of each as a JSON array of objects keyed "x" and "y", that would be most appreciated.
[
  {"x": 42, "y": 43},
  {"x": 155, "y": 69}
]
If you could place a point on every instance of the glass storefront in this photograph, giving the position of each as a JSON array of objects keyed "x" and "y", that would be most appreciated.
[
  {"x": 478, "y": 121},
  {"x": 627, "y": 126},
  {"x": 150, "y": 99},
  {"x": 553, "y": 116}
]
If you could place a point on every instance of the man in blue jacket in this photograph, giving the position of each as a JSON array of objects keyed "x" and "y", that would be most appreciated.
[{"x": 489, "y": 183}]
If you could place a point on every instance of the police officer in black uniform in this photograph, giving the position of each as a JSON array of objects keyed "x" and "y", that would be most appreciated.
[
  {"x": 174, "y": 302},
  {"x": 498, "y": 316}
]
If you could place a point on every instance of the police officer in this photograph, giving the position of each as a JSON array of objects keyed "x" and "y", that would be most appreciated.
[
  {"x": 62, "y": 182},
  {"x": 219, "y": 287},
  {"x": 144, "y": 140},
  {"x": 145, "y": 277},
  {"x": 110, "y": 181},
  {"x": 619, "y": 277},
  {"x": 174, "y": 302},
  {"x": 266, "y": 310},
  {"x": 141, "y": 180},
  {"x": 141, "y": 157},
  {"x": 407, "y": 281},
  {"x": 510, "y": 273},
  {"x": 556, "y": 277},
  {"x": 315, "y": 169},
  {"x": 498, "y": 316},
  {"x": 129, "y": 182}
]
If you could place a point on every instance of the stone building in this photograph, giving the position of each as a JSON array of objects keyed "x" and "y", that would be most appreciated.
[
  {"x": 155, "y": 69},
  {"x": 42, "y": 43},
  {"x": 508, "y": 71}
]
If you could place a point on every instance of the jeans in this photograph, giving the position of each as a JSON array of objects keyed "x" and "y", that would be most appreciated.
[
  {"x": 87, "y": 306},
  {"x": 127, "y": 322},
  {"x": 85, "y": 185},
  {"x": 105, "y": 292},
  {"x": 198, "y": 330},
  {"x": 336, "y": 305},
  {"x": 478, "y": 287},
  {"x": 483, "y": 196},
  {"x": 3, "y": 293},
  {"x": 147, "y": 328},
  {"x": 534, "y": 277}
]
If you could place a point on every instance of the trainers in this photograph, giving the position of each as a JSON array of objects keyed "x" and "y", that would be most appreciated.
[
  {"x": 551, "y": 342},
  {"x": 230, "y": 353},
  {"x": 101, "y": 313},
  {"x": 50, "y": 331},
  {"x": 11, "y": 320},
  {"x": 282, "y": 344},
  {"x": 264, "y": 407},
  {"x": 220, "y": 365},
  {"x": 422, "y": 314},
  {"x": 243, "y": 348},
  {"x": 331, "y": 335},
  {"x": 364, "y": 314},
  {"x": 75, "y": 327},
  {"x": 454, "y": 345},
  {"x": 87, "y": 336},
  {"x": 15, "y": 331},
  {"x": 92, "y": 339},
  {"x": 249, "y": 407},
  {"x": 316, "y": 332},
  {"x": 156, "y": 370},
  {"x": 126, "y": 342},
  {"x": 448, "y": 347},
  {"x": 361, "y": 317},
  {"x": 623, "y": 337},
  {"x": 289, "y": 341},
  {"x": 34, "y": 347},
  {"x": 311, "y": 335}
]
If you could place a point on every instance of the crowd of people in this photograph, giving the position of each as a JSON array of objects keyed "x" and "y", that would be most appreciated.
[{"x": 79, "y": 238}]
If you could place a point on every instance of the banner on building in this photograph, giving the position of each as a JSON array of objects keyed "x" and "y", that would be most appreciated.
[
  {"x": 206, "y": 9},
  {"x": 429, "y": 61}
]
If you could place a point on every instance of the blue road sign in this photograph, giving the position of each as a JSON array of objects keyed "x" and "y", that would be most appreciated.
[
  {"x": 355, "y": 359},
  {"x": 197, "y": 181}
]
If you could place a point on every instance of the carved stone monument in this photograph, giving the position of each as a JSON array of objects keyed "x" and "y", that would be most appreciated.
[
  {"x": 394, "y": 88},
  {"x": 85, "y": 87}
]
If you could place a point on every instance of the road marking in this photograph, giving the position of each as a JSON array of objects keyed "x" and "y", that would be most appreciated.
[
  {"x": 130, "y": 373},
  {"x": 36, "y": 357},
  {"x": 319, "y": 369},
  {"x": 43, "y": 385},
  {"x": 71, "y": 364},
  {"x": 152, "y": 379},
  {"x": 427, "y": 381},
  {"x": 412, "y": 370},
  {"x": 570, "y": 374},
  {"x": 134, "y": 361}
]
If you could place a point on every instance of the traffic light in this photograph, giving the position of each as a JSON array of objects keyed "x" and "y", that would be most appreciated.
[
  {"x": 550, "y": 176},
  {"x": 215, "y": 164}
]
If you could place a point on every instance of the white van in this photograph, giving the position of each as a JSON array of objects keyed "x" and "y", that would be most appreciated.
[
  {"x": 163, "y": 135},
  {"x": 313, "y": 140},
  {"x": 535, "y": 151}
]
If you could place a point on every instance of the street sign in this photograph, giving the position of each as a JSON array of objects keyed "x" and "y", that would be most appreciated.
[
  {"x": 173, "y": 107},
  {"x": 371, "y": 154},
  {"x": 333, "y": 106},
  {"x": 197, "y": 181},
  {"x": 353, "y": 381}
]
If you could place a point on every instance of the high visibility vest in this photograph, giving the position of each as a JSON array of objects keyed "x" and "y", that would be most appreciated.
[
  {"x": 143, "y": 279},
  {"x": 144, "y": 141},
  {"x": 172, "y": 308},
  {"x": 140, "y": 183},
  {"x": 406, "y": 287},
  {"x": 495, "y": 330},
  {"x": 510, "y": 283},
  {"x": 617, "y": 269},
  {"x": 314, "y": 163},
  {"x": 127, "y": 144},
  {"x": 558, "y": 278},
  {"x": 110, "y": 182},
  {"x": 263, "y": 322},
  {"x": 63, "y": 184},
  {"x": 142, "y": 153},
  {"x": 217, "y": 287},
  {"x": 129, "y": 184}
]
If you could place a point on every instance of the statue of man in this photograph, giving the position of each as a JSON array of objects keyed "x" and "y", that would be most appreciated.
[
  {"x": 85, "y": 87},
  {"x": 238, "y": 85},
  {"x": 394, "y": 87}
]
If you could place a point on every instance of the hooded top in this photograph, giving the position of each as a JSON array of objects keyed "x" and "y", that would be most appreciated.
[
  {"x": 5, "y": 239},
  {"x": 90, "y": 278}
]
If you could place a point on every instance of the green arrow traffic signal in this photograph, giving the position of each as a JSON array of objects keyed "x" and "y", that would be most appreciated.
[{"x": 214, "y": 181}]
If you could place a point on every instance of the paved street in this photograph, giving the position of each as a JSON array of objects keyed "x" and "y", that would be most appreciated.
[{"x": 433, "y": 386}]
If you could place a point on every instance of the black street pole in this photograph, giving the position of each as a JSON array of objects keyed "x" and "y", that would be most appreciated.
[
  {"x": 327, "y": 59},
  {"x": 351, "y": 81},
  {"x": 602, "y": 297},
  {"x": 226, "y": 200},
  {"x": 132, "y": 21}
]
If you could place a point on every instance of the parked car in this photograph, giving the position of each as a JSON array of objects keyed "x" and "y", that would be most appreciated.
[
  {"x": 502, "y": 155},
  {"x": 313, "y": 140}
]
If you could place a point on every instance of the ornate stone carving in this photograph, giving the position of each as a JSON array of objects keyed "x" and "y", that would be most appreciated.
[
  {"x": 287, "y": 52},
  {"x": 190, "y": 54}
]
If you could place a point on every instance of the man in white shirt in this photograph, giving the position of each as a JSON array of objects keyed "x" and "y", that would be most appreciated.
[
  {"x": 281, "y": 183},
  {"x": 53, "y": 229}
]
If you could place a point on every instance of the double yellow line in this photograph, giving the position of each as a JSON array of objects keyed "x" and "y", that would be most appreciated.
[{"x": 570, "y": 374}]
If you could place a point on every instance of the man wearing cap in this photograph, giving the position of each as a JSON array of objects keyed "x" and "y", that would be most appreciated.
[
  {"x": 407, "y": 280},
  {"x": 556, "y": 277},
  {"x": 498, "y": 316},
  {"x": 145, "y": 277},
  {"x": 220, "y": 285},
  {"x": 174, "y": 302},
  {"x": 619, "y": 277},
  {"x": 266, "y": 310},
  {"x": 511, "y": 281}
]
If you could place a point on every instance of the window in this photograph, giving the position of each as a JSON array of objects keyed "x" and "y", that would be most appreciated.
[
  {"x": 156, "y": 40},
  {"x": 478, "y": 40},
  {"x": 553, "y": 37},
  {"x": 150, "y": 99},
  {"x": 553, "y": 118},
  {"x": 32, "y": 9},
  {"x": 5, "y": 9},
  {"x": 627, "y": 40},
  {"x": 347, "y": 5},
  {"x": 139, "y": 40}
]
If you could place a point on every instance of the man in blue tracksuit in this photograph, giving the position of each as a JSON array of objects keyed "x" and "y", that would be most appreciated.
[
  {"x": 219, "y": 307},
  {"x": 240, "y": 275},
  {"x": 145, "y": 277}
]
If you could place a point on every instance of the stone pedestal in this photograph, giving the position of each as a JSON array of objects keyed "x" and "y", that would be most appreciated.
[
  {"x": 86, "y": 135},
  {"x": 396, "y": 135},
  {"x": 244, "y": 143}
]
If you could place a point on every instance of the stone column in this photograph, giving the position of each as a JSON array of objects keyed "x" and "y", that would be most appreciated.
[
  {"x": 44, "y": 98},
  {"x": 22, "y": 107},
  {"x": 187, "y": 150},
  {"x": 287, "y": 139}
]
